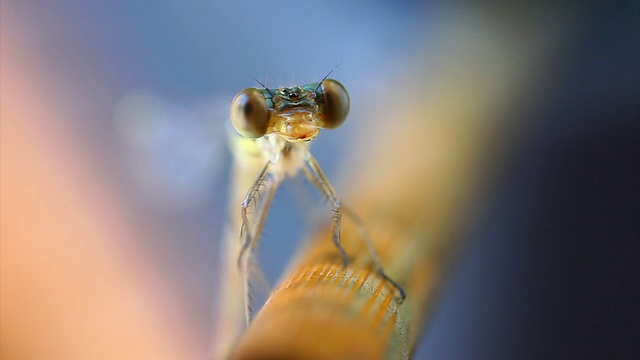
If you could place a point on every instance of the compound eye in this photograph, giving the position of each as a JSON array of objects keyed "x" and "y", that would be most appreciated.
[
  {"x": 335, "y": 103},
  {"x": 250, "y": 113}
]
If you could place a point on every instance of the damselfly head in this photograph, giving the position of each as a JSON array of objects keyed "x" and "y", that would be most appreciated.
[{"x": 296, "y": 113}]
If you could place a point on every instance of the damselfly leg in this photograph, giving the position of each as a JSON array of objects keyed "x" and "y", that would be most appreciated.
[
  {"x": 255, "y": 282},
  {"x": 316, "y": 176}
]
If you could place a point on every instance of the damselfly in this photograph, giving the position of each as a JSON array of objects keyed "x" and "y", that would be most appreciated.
[{"x": 281, "y": 123}]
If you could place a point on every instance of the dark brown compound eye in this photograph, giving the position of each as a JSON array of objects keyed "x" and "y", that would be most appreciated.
[
  {"x": 335, "y": 103},
  {"x": 250, "y": 113}
]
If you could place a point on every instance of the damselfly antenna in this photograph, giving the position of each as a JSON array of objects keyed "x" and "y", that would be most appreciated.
[
  {"x": 260, "y": 83},
  {"x": 325, "y": 77}
]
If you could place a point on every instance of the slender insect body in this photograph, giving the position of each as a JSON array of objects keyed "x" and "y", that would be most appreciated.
[{"x": 279, "y": 124}]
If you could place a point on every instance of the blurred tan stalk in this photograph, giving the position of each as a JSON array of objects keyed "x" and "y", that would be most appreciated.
[{"x": 425, "y": 160}]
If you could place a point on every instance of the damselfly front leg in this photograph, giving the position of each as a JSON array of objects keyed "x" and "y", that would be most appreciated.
[
  {"x": 314, "y": 173},
  {"x": 316, "y": 176},
  {"x": 249, "y": 236},
  {"x": 260, "y": 196}
]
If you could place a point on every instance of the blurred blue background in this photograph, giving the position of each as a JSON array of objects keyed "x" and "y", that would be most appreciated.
[{"x": 552, "y": 271}]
